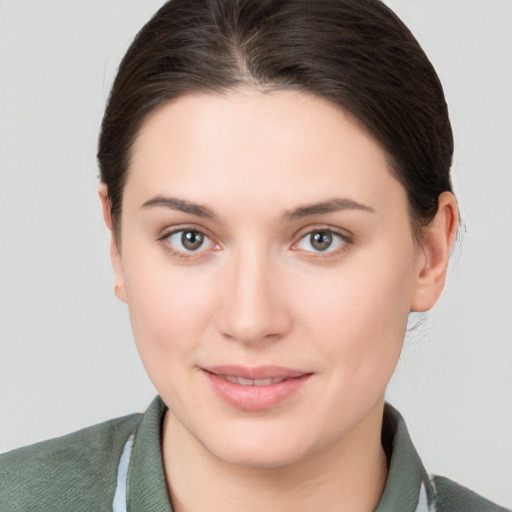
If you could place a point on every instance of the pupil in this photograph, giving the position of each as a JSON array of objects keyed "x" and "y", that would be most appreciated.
[
  {"x": 321, "y": 240},
  {"x": 192, "y": 240}
]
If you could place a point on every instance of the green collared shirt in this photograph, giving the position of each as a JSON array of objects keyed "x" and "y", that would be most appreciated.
[{"x": 117, "y": 466}]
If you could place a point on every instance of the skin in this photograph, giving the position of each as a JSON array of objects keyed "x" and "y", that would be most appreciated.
[{"x": 257, "y": 292}]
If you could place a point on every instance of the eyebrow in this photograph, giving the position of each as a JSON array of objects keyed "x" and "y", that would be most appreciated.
[
  {"x": 180, "y": 205},
  {"x": 330, "y": 206}
]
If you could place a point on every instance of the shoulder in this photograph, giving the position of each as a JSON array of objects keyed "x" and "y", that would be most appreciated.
[
  {"x": 452, "y": 497},
  {"x": 80, "y": 469}
]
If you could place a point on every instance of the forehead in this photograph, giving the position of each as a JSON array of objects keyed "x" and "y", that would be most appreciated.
[{"x": 257, "y": 146}]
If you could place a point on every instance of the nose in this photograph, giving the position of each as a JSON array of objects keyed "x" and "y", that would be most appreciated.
[{"x": 254, "y": 303}]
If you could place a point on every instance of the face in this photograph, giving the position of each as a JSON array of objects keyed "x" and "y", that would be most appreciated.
[{"x": 269, "y": 267}]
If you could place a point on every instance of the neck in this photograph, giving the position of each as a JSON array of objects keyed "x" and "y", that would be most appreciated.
[{"x": 352, "y": 472}]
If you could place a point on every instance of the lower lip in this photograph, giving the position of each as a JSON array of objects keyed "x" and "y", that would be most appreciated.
[{"x": 255, "y": 398}]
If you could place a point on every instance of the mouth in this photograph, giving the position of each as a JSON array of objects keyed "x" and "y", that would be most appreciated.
[
  {"x": 251, "y": 382},
  {"x": 255, "y": 389}
]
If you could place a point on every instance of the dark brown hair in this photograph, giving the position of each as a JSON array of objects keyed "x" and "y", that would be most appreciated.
[{"x": 355, "y": 53}]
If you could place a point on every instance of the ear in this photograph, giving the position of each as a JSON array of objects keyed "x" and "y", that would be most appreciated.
[
  {"x": 115, "y": 252},
  {"x": 438, "y": 238}
]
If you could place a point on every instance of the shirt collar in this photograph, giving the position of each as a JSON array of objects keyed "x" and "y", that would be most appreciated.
[
  {"x": 146, "y": 487},
  {"x": 406, "y": 476}
]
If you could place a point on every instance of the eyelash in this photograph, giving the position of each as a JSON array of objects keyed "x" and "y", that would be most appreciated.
[{"x": 344, "y": 241}]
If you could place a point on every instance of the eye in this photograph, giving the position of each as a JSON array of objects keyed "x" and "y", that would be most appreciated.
[
  {"x": 188, "y": 240},
  {"x": 321, "y": 241}
]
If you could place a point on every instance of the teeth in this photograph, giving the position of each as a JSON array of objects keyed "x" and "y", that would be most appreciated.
[
  {"x": 252, "y": 382},
  {"x": 263, "y": 382},
  {"x": 246, "y": 382}
]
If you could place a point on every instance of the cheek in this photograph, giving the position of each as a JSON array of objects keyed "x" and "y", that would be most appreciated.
[
  {"x": 170, "y": 308},
  {"x": 358, "y": 313}
]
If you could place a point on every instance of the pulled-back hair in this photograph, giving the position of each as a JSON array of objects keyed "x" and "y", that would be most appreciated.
[{"x": 355, "y": 53}]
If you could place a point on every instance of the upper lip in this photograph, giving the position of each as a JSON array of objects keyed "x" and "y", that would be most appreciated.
[{"x": 256, "y": 373}]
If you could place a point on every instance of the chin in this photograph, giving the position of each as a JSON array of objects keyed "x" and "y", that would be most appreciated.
[
  {"x": 262, "y": 457},
  {"x": 258, "y": 446}
]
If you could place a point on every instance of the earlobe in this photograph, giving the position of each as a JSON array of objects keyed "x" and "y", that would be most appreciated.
[
  {"x": 437, "y": 244},
  {"x": 115, "y": 252}
]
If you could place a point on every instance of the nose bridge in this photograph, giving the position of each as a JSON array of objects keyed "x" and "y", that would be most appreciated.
[{"x": 254, "y": 308}]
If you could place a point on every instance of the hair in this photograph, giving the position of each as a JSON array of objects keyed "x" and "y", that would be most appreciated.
[{"x": 357, "y": 54}]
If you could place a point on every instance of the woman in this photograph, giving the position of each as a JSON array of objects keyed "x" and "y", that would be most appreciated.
[{"x": 275, "y": 176}]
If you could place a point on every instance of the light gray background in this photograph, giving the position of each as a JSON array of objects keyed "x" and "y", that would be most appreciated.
[{"x": 67, "y": 357}]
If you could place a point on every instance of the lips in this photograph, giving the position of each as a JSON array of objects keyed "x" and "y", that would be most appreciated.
[
  {"x": 255, "y": 389},
  {"x": 256, "y": 373}
]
